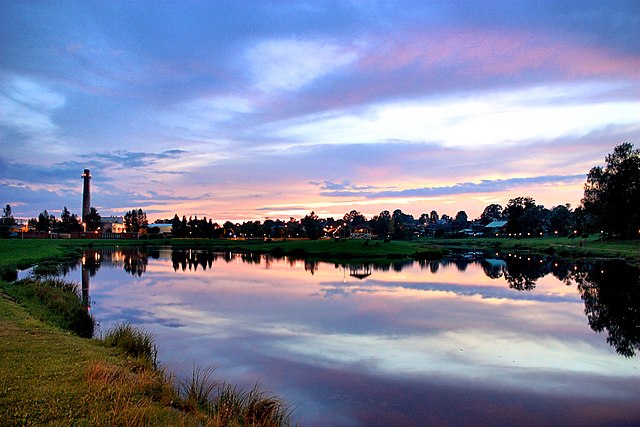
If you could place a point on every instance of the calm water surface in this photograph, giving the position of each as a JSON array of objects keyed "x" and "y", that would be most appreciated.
[{"x": 507, "y": 340}]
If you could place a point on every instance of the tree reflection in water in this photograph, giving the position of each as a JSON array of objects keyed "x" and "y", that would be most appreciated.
[
  {"x": 611, "y": 294},
  {"x": 523, "y": 271},
  {"x": 610, "y": 289},
  {"x": 183, "y": 259}
]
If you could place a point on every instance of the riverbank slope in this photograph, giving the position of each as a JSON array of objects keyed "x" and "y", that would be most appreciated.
[{"x": 48, "y": 376}]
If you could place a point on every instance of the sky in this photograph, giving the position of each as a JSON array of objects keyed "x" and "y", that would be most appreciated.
[{"x": 247, "y": 110}]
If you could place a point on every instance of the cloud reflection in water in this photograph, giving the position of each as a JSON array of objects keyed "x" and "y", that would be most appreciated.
[{"x": 407, "y": 345}]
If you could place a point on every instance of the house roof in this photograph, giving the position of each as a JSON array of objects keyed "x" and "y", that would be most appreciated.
[
  {"x": 496, "y": 224},
  {"x": 361, "y": 227}
]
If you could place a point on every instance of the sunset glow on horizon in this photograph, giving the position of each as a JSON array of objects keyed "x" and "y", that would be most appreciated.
[{"x": 251, "y": 110}]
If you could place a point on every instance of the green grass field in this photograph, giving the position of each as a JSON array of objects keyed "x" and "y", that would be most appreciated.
[
  {"x": 50, "y": 377},
  {"x": 593, "y": 246}
]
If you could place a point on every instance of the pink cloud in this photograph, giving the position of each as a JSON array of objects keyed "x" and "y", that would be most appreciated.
[{"x": 496, "y": 53}]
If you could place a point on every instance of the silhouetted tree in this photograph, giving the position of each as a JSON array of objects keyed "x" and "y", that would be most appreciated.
[
  {"x": 402, "y": 225},
  {"x": 294, "y": 228},
  {"x": 135, "y": 221},
  {"x": 354, "y": 218},
  {"x": 560, "y": 220},
  {"x": 176, "y": 227},
  {"x": 312, "y": 226},
  {"x": 7, "y": 221},
  {"x": 44, "y": 221},
  {"x": 611, "y": 193},
  {"x": 381, "y": 224},
  {"x": 433, "y": 217},
  {"x": 69, "y": 222},
  {"x": 93, "y": 220},
  {"x": 461, "y": 221},
  {"x": 250, "y": 229},
  {"x": 229, "y": 229},
  {"x": 525, "y": 217},
  {"x": 491, "y": 213}
]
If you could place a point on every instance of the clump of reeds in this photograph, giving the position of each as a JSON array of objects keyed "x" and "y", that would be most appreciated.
[
  {"x": 228, "y": 405},
  {"x": 220, "y": 403},
  {"x": 135, "y": 343},
  {"x": 197, "y": 391}
]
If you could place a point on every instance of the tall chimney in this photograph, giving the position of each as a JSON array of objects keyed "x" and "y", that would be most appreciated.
[{"x": 86, "y": 194}]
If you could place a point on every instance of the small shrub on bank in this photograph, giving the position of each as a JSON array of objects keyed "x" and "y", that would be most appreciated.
[
  {"x": 134, "y": 343},
  {"x": 227, "y": 405},
  {"x": 232, "y": 406},
  {"x": 197, "y": 392}
]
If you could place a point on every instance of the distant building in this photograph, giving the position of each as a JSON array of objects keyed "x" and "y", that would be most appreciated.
[
  {"x": 112, "y": 224},
  {"x": 162, "y": 228},
  {"x": 20, "y": 226},
  {"x": 495, "y": 227},
  {"x": 361, "y": 231}
]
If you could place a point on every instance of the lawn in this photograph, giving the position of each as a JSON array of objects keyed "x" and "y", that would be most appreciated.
[{"x": 47, "y": 376}]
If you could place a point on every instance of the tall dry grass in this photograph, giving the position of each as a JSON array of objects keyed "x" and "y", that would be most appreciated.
[{"x": 213, "y": 402}]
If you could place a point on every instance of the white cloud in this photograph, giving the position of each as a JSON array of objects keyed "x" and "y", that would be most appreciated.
[
  {"x": 279, "y": 65},
  {"x": 26, "y": 106},
  {"x": 471, "y": 120},
  {"x": 203, "y": 118}
]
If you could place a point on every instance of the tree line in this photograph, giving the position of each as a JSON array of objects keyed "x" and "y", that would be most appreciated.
[
  {"x": 134, "y": 221},
  {"x": 609, "y": 206}
]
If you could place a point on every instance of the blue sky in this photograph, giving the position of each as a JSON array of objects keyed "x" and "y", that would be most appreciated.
[{"x": 246, "y": 110}]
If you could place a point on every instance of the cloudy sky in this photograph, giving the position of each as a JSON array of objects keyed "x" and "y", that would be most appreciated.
[{"x": 254, "y": 109}]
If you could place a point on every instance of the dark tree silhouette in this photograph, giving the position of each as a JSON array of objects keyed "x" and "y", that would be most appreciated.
[
  {"x": 135, "y": 221},
  {"x": 7, "y": 221},
  {"x": 560, "y": 220},
  {"x": 93, "y": 220},
  {"x": 611, "y": 193},
  {"x": 312, "y": 226},
  {"x": 45, "y": 222},
  {"x": 354, "y": 218},
  {"x": 461, "y": 221},
  {"x": 525, "y": 217},
  {"x": 381, "y": 224},
  {"x": 493, "y": 212}
]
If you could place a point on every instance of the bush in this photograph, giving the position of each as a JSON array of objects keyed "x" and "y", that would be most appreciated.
[
  {"x": 197, "y": 391},
  {"x": 134, "y": 343},
  {"x": 227, "y": 405}
]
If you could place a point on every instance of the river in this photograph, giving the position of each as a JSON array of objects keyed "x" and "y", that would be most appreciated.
[{"x": 480, "y": 339}]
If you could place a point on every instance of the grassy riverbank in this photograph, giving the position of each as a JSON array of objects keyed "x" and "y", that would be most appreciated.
[
  {"x": 52, "y": 377},
  {"x": 592, "y": 246},
  {"x": 48, "y": 376}
]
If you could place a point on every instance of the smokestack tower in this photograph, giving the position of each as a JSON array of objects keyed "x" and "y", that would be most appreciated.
[{"x": 86, "y": 194}]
